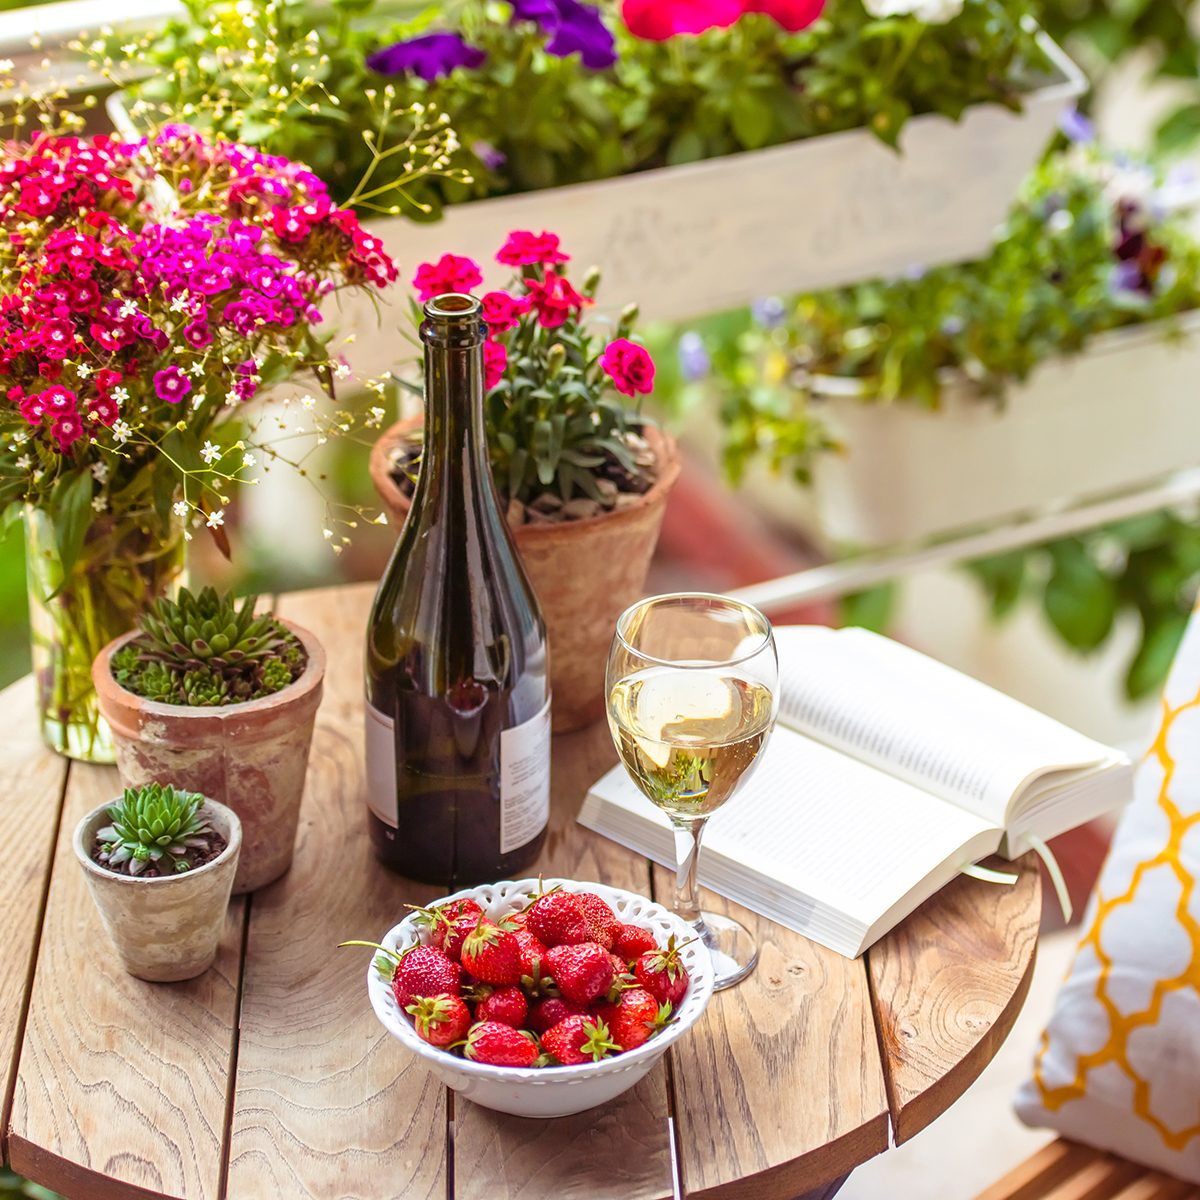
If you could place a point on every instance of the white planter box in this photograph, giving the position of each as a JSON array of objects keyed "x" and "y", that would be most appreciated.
[
  {"x": 1122, "y": 413},
  {"x": 713, "y": 235}
]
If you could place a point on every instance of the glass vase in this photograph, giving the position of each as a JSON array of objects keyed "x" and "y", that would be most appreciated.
[{"x": 125, "y": 563}]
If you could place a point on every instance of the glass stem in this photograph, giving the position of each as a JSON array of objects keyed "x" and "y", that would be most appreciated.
[{"x": 687, "y": 859}]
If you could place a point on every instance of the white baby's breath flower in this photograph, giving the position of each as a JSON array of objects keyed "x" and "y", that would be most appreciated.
[
  {"x": 216, "y": 518},
  {"x": 327, "y": 534},
  {"x": 197, "y": 368},
  {"x": 6, "y": 64},
  {"x": 99, "y": 503},
  {"x": 121, "y": 431},
  {"x": 342, "y": 371},
  {"x": 179, "y": 304},
  {"x": 24, "y": 462},
  {"x": 308, "y": 401},
  {"x": 82, "y": 370},
  {"x": 100, "y": 471},
  {"x": 248, "y": 460},
  {"x": 120, "y": 394},
  {"x": 128, "y": 309},
  {"x": 232, "y": 397},
  {"x": 210, "y": 452},
  {"x": 180, "y": 508}
]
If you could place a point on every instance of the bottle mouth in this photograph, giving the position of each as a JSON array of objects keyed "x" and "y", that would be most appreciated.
[{"x": 453, "y": 319}]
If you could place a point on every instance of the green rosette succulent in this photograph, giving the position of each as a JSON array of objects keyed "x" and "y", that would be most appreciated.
[
  {"x": 206, "y": 650},
  {"x": 154, "y": 827}
]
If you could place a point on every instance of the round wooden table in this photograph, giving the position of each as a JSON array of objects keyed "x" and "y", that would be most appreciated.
[{"x": 270, "y": 1077}]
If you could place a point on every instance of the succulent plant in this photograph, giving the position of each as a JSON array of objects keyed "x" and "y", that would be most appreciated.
[
  {"x": 154, "y": 827},
  {"x": 206, "y": 650}
]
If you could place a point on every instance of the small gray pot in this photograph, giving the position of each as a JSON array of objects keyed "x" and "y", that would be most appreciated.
[{"x": 166, "y": 928}]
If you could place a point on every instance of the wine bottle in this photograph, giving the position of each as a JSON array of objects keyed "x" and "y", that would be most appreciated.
[{"x": 458, "y": 701}]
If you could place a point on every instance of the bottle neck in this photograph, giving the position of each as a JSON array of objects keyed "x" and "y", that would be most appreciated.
[{"x": 455, "y": 458}]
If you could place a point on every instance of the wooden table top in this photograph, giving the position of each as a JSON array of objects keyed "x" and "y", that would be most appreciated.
[{"x": 270, "y": 1076}]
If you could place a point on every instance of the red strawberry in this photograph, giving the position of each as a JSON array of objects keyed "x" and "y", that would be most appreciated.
[
  {"x": 425, "y": 971},
  {"x": 492, "y": 954},
  {"x": 620, "y": 966},
  {"x": 581, "y": 972},
  {"x": 556, "y": 919},
  {"x": 531, "y": 952},
  {"x": 506, "y": 1005},
  {"x": 456, "y": 933},
  {"x": 632, "y": 940},
  {"x": 601, "y": 920},
  {"x": 440, "y": 1020},
  {"x": 440, "y": 919},
  {"x": 500, "y": 1045},
  {"x": 662, "y": 974},
  {"x": 547, "y": 1013},
  {"x": 578, "y": 1039},
  {"x": 634, "y": 1017},
  {"x": 516, "y": 921}
]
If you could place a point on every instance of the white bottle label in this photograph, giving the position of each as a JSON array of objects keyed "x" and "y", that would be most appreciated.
[
  {"x": 524, "y": 781},
  {"x": 381, "y": 766}
]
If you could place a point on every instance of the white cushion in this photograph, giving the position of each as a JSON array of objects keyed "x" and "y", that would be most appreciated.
[{"x": 1118, "y": 1066}]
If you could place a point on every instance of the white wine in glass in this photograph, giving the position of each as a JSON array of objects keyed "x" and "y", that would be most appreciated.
[{"x": 692, "y": 699}]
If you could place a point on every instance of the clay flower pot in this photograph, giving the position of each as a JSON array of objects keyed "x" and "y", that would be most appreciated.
[
  {"x": 585, "y": 573},
  {"x": 251, "y": 756},
  {"x": 166, "y": 928}
]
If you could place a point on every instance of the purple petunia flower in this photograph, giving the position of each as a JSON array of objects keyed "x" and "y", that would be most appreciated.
[
  {"x": 694, "y": 360},
  {"x": 768, "y": 311},
  {"x": 487, "y": 154},
  {"x": 581, "y": 29},
  {"x": 542, "y": 12},
  {"x": 1076, "y": 126},
  {"x": 430, "y": 56}
]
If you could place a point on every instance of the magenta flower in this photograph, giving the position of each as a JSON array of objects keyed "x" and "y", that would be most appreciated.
[
  {"x": 430, "y": 56},
  {"x": 451, "y": 273},
  {"x": 502, "y": 311},
  {"x": 629, "y": 366},
  {"x": 523, "y": 249},
  {"x": 171, "y": 385},
  {"x": 495, "y": 363}
]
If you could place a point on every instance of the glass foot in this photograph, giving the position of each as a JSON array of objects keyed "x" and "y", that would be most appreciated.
[{"x": 732, "y": 946}]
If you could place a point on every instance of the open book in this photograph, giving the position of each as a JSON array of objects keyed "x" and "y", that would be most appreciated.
[{"x": 887, "y": 774}]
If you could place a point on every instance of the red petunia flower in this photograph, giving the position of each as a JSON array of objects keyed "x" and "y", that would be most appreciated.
[
  {"x": 495, "y": 362},
  {"x": 67, "y": 430},
  {"x": 502, "y": 311},
  {"x": 629, "y": 366},
  {"x": 793, "y": 15},
  {"x": 658, "y": 20},
  {"x": 555, "y": 299}
]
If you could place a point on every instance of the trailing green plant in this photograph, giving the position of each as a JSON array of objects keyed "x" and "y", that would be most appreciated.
[
  {"x": 543, "y": 93},
  {"x": 1147, "y": 567},
  {"x": 205, "y": 650},
  {"x": 1092, "y": 244},
  {"x": 155, "y": 830}
]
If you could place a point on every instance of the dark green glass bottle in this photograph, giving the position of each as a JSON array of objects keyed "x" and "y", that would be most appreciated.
[{"x": 458, "y": 701}]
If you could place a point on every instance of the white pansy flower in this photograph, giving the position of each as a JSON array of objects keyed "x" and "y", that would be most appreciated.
[
  {"x": 180, "y": 508},
  {"x": 931, "y": 12},
  {"x": 216, "y": 518},
  {"x": 210, "y": 452}
]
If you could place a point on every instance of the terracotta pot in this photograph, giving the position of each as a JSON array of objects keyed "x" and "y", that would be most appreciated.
[
  {"x": 168, "y": 928},
  {"x": 251, "y": 756},
  {"x": 585, "y": 573}
]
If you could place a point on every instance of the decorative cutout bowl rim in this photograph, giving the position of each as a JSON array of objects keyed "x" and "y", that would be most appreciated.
[{"x": 497, "y": 899}]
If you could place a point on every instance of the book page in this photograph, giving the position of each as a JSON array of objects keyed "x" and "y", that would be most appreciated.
[
  {"x": 816, "y": 822},
  {"x": 920, "y": 720}
]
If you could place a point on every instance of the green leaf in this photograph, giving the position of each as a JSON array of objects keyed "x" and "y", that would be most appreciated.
[
  {"x": 1002, "y": 575},
  {"x": 753, "y": 120},
  {"x": 872, "y": 609},
  {"x": 1080, "y": 600},
  {"x": 1147, "y": 671},
  {"x": 71, "y": 505},
  {"x": 1180, "y": 131}
]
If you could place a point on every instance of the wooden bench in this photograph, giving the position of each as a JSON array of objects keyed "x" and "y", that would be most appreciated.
[{"x": 1068, "y": 1171}]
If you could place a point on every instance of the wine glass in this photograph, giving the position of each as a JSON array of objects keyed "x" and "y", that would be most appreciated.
[{"x": 692, "y": 683}]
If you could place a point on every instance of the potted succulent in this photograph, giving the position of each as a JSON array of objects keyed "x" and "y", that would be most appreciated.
[
  {"x": 585, "y": 478},
  {"x": 215, "y": 698},
  {"x": 706, "y": 121},
  {"x": 160, "y": 864},
  {"x": 152, "y": 290},
  {"x": 1060, "y": 366}
]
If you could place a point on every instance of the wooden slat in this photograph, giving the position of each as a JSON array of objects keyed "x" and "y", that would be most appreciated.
[
  {"x": 623, "y": 1148},
  {"x": 948, "y": 984},
  {"x": 122, "y": 1084},
  {"x": 31, "y": 781},
  {"x": 1065, "y": 1170},
  {"x": 327, "y": 1103},
  {"x": 779, "y": 1089}
]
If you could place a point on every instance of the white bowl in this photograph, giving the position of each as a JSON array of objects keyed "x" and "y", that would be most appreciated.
[{"x": 549, "y": 1091}]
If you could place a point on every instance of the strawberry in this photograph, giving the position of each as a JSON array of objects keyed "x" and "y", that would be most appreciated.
[
  {"x": 457, "y": 932},
  {"x": 500, "y": 1045},
  {"x": 516, "y": 921},
  {"x": 620, "y": 966},
  {"x": 662, "y": 973},
  {"x": 601, "y": 921},
  {"x": 439, "y": 920},
  {"x": 632, "y": 940},
  {"x": 531, "y": 952},
  {"x": 506, "y": 1005},
  {"x": 425, "y": 971},
  {"x": 548, "y": 1012},
  {"x": 578, "y": 1039},
  {"x": 440, "y": 1020},
  {"x": 556, "y": 919},
  {"x": 491, "y": 953},
  {"x": 634, "y": 1018},
  {"x": 581, "y": 972}
]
